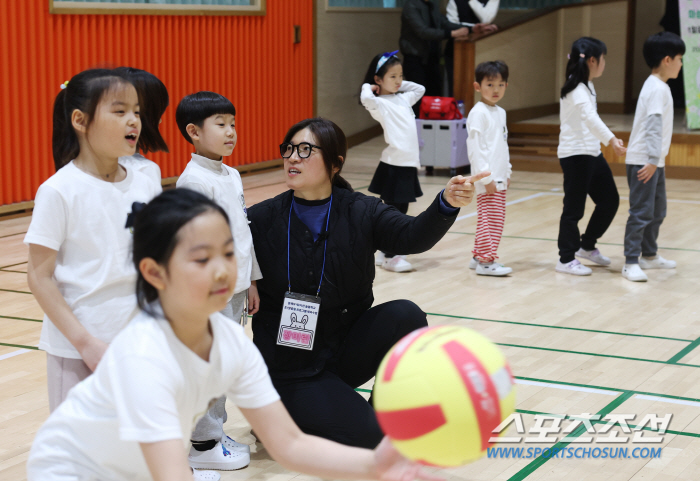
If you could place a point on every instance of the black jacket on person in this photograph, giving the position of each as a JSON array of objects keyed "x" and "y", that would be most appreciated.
[
  {"x": 359, "y": 225},
  {"x": 422, "y": 25}
]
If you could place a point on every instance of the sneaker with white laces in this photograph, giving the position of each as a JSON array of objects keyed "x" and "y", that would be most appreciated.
[
  {"x": 379, "y": 258},
  {"x": 634, "y": 273},
  {"x": 593, "y": 256},
  {"x": 473, "y": 263},
  {"x": 493, "y": 269},
  {"x": 656, "y": 262},
  {"x": 205, "y": 475},
  {"x": 218, "y": 458},
  {"x": 397, "y": 264},
  {"x": 574, "y": 267},
  {"x": 232, "y": 445}
]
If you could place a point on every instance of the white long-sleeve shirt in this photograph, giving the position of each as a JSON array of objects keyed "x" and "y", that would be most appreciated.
[
  {"x": 487, "y": 145},
  {"x": 581, "y": 131},
  {"x": 223, "y": 185},
  {"x": 396, "y": 116},
  {"x": 486, "y": 13}
]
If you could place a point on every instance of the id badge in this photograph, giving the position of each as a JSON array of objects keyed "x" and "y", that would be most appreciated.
[{"x": 298, "y": 322}]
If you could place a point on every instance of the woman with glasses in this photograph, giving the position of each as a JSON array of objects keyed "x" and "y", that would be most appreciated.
[{"x": 316, "y": 327}]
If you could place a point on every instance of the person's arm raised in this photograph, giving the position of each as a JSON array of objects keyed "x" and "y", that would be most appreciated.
[
  {"x": 404, "y": 234},
  {"x": 326, "y": 459}
]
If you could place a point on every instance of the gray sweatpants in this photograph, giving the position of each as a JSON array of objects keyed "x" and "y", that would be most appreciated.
[
  {"x": 211, "y": 426},
  {"x": 62, "y": 374},
  {"x": 647, "y": 212}
]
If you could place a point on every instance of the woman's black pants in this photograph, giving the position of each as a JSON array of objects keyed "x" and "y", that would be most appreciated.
[{"x": 327, "y": 404}]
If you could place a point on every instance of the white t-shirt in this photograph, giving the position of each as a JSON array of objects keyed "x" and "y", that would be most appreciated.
[
  {"x": 142, "y": 164},
  {"x": 485, "y": 13},
  {"x": 582, "y": 131},
  {"x": 487, "y": 145},
  {"x": 83, "y": 218},
  {"x": 148, "y": 387},
  {"x": 654, "y": 99},
  {"x": 396, "y": 116},
  {"x": 223, "y": 185}
]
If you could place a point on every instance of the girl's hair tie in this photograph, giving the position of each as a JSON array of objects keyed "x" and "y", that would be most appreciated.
[
  {"x": 64, "y": 85},
  {"x": 568, "y": 56},
  {"x": 582, "y": 55},
  {"x": 385, "y": 56}
]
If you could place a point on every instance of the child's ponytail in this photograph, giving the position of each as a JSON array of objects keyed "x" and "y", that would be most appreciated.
[
  {"x": 577, "y": 67},
  {"x": 83, "y": 92}
]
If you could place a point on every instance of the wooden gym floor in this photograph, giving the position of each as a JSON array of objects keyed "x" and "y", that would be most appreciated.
[{"x": 597, "y": 344}]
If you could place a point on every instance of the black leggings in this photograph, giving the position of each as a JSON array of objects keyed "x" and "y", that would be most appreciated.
[
  {"x": 585, "y": 175},
  {"x": 403, "y": 208},
  {"x": 327, "y": 404}
]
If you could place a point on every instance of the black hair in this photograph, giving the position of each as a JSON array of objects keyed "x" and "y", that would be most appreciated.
[
  {"x": 661, "y": 45},
  {"x": 372, "y": 69},
  {"x": 196, "y": 108},
  {"x": 82, "y": 92},
  {"x": 577, "y": 67},
  {"x": 153, "y": 100},
  {"x": 331, "y": 139},
  {"x": 489, "y": 70},
  {"x": 156, "y": 228}
]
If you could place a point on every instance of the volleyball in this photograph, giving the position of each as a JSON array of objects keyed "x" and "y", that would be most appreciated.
[{"x": 440, "y": 392}]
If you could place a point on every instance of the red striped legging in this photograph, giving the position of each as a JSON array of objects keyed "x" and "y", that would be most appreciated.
[{"x": 491, "y": 214}]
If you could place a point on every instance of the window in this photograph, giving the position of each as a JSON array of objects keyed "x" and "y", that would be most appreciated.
[
  {"x": 350, "y": 5},
  {"x": 159, "y": 7}
]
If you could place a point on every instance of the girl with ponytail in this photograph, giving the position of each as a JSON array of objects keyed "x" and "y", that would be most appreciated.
[
  {"x": 586, "y": 172},
  {"x": 79, "y": 269}
]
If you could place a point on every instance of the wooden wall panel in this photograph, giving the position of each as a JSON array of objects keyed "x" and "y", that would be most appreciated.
[{"x": 252, "y": 60}]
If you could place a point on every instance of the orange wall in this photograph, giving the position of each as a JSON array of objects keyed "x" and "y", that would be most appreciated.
[{"x": 250, "y": 59}]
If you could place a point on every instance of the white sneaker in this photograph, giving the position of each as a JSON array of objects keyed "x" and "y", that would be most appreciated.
[
  {"x": 232, "y": 445},
  {"x": 205, "y": 475},
  {"x": 593, "y": 256},
  {"x": 218, "y": 458},
  {"x": 473, "y": 263},
  {"x": 634, "y": 273},
  {"x": 379, "y": 258},
  {"x": 574, "y": 267},
  {"x": 397, "y": 264},
  {"x": 493, "y": 269},
  {"x": 657, "y": 262}
]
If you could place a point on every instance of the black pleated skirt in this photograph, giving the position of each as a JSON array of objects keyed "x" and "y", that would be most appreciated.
[{"x": 395, "y": 184}]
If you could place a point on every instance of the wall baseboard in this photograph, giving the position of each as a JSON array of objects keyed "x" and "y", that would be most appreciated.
[
  {"x": 518, "y": 115},
  {"x": 364, "y": 135},
  {"x": 619, "y": 169}
]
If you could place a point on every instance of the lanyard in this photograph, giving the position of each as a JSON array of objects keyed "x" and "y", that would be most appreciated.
[{"x": 325, "y": 244}]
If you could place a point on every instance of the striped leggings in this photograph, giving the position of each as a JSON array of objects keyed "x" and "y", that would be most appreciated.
[{"x": 491, "y": 212}]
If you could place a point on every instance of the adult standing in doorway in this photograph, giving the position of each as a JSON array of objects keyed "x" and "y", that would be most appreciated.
[
  {"x": 316, "y": 328},
  {"x": 423, "y": 28}
]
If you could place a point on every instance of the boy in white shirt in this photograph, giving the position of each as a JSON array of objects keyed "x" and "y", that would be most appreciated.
[
  {"x": 207, "y": 120},
  {"x": 650, "y": 142},
  {"x": 487, "y": 147}
]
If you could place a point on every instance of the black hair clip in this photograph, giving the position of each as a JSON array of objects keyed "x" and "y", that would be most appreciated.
[{"x": 136, "y": 207}]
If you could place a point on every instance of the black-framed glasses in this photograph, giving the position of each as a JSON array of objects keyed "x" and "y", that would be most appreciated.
[{"x": 304, "y": 149}]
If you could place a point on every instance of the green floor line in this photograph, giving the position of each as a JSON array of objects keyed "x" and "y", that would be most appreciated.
[
  {"x": 10, "y": 235},
  {"x": 363, "y": 390},
  {"x": 19, "y": 345},
  {"x": 555, "y": 240},
  {"x": 21, "y": 318},
  {"x": 16, "y": 272},
  {"x": 534, "y": 465},
  {"x": 607, "y": 388},
  {"x": 16, "y": 292},
  {"x": 13, "y": 265},
  {"x": 685, "y": 351},
  {"x": 562, "y": 327},
  {"x": 611, "y": 356}
]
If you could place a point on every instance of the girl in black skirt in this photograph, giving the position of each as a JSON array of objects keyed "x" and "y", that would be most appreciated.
[{"x": 389, "y": 99}]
